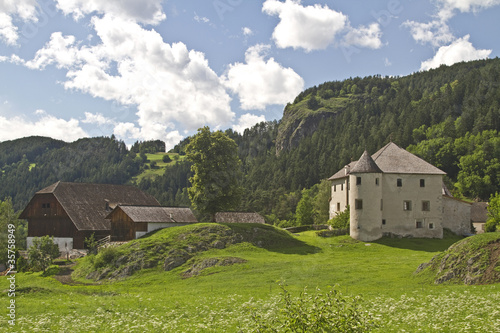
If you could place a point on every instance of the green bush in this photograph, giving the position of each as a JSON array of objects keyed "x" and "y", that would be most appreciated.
[
  {"x": 52, "y": 270},
  {"x": 105, "y": 257},
  {"x": 341, "y": 220},
  {"x": 315, "y": 312}
]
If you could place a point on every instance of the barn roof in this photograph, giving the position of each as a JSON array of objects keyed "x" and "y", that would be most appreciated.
[
  {"x": 236, "y": 217},
  {"x": 86, "y": 204},
  {"x": 394, "y": 159},
  {"x": 157, "y": 214}
]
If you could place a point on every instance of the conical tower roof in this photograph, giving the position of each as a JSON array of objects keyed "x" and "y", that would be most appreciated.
[{"x": 366, "y": 164}]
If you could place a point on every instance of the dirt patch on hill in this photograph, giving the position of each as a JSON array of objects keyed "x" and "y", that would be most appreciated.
[{"x": 64, "y": 276}]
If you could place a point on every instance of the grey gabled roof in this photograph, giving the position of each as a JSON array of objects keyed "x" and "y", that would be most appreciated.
[
  {"x": 86, "y": 203},
  {"x": 237, "y": 217},
  {"x": 365, "y": 165},
  {"x": 391, "y": 159},
  {"x": 155, "y": 214},
  {"x": 394, "y": 159}
]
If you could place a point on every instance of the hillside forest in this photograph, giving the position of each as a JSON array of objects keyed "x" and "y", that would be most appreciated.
[{"x": 449, "y": 116}]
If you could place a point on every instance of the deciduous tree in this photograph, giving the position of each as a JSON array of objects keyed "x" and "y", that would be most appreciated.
[{"x": 216, "y": 172}]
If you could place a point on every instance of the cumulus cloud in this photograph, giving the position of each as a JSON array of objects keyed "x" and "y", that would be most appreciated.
[
  {"x": 144, "y": 11},
  {"x": 311, "y": 27},
  {"x": 24, "y": 10},
  {"x": 45, "y": 125},
  {"x": 436, "y": 32},
  {"x": 133, "y": 66},
  {"x": 97, "y": 118},
  {"x": 246, "y": 121},
  {"x": 447, "y": 7},
  {"x": 459, "y": 50},
  {"x": 365, "y": 36},
  {"x": 260, "y": 82}
]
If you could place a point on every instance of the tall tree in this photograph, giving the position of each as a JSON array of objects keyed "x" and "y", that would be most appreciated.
[{"x": 216, "y": 172}]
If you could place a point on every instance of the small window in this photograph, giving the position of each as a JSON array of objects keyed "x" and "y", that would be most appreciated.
[
  {"x": 358, "y": 203},
  {"x": 358, "y": 180},
  {"x": 376, "y": 181},
  {"x": 338, "y": 206},
  {"x": 431, "y": 225},
  {"x": 406, "y": 205},
  {"x": 46, "y": 205},
  {"x": 422, "y": 182},
  {"x": 334, "y": 188},
  {"x": 341, "y": 187},
  {"x": 419, "y": 224},
  {"x": 426, "y": 206},
  {"x": 399, "y": 182},
  {"x": 383, "y": 222}
]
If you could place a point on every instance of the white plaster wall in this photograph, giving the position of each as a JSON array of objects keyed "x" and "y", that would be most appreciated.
[
  {"x": 338, "y": 196},
  {"x": 64, "y": 243},
  {"x": 456, "y": 215},
  {"x": 366, "y": 223},
  {"x": 403, "y": 223}
]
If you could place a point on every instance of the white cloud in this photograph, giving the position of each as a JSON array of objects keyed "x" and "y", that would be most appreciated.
[
  {"x": 97, "y": 118},
  {"x": 201, "y": 19},
  {"x": 436, "y": 32},
  {"x": 447, "y": 7},
  {"x": 156, "y": 132},
  {"x": 310, "y": 28},
  {"x": 246, "y": 121},
  {"x": 144, "y": 11},
  {"x": 365, "y": 36},
  {"x": 260, "y": 82},
  {"x": 133, "y": 66},
  {"x": 459, "y": 50},
  {"x": 46, "y": 125},
  {"x": 247, "y": 31},
  {"x": 24, "y": 10}
]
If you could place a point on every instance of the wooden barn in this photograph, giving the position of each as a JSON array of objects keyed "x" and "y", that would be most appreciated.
[
  {"x": 131, "y": 222},
  {"x": 71, "y": 212},
  {"x": 237, "y": 217}
]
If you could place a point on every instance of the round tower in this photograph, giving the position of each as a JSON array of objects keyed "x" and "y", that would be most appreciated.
[{"x": 365, "y": 199}]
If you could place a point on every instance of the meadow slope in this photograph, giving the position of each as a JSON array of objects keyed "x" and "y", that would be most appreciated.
[{"x": 223, "y": 298}]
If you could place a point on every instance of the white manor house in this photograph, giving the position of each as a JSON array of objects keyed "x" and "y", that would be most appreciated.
[{"x": 394, "y": 192}]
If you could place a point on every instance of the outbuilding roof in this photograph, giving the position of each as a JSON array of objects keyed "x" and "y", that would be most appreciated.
[
  {"x": 155, "y": 214},
  {"x": 391, "y": 159},
  {"x": 88, "y": 204}
]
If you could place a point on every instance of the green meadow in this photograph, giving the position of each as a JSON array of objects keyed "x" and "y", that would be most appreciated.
[
  {"x": 224, "y": 298},
  {"x": 158, "y": 167}
]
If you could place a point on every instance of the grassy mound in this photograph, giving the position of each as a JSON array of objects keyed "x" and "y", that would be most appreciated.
[
  {"x": 170, "y": 248},
  {"x": 474, "y": 260}
]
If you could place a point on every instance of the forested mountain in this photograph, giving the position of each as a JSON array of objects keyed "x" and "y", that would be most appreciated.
[
  {"x": 450, "y": 116},
  {"x": 30, "y": 164}
]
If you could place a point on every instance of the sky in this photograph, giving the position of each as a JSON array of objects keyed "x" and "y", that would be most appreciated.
[{"x": 161, "y": 69}]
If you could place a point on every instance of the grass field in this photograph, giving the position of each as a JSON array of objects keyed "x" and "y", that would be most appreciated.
[
  {"x": 160, "y": 165},
  {"x": 220, "y": 299}
]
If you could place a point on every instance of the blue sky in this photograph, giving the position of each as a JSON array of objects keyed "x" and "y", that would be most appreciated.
[{"x": 154, "y": 69}]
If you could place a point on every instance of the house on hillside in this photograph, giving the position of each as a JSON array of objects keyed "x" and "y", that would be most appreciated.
[
  {"x": 236, "y": 217},
  {"x": 479, "y": 215},
  {"x": 71, "y": 212},
  {"x": 131, "y": 222},
  {"x": 396, "y": 192}
]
